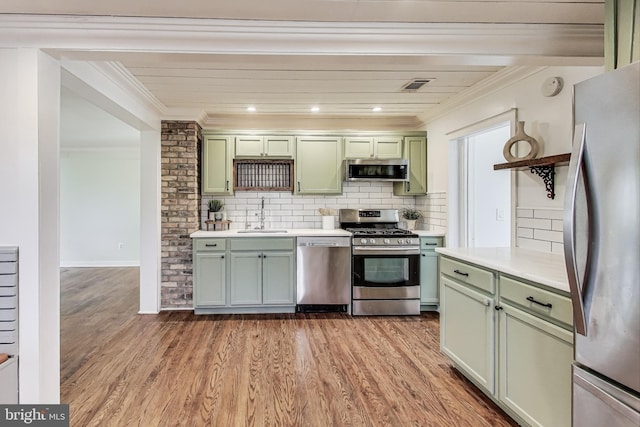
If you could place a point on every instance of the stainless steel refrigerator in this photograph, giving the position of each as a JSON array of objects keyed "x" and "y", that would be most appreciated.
[{"x": 602, "y": 249}]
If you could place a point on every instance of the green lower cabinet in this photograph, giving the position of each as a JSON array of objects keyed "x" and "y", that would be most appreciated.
[
  {"x": 429, "y": 295},
  {"x": 278, "y": 278},
  {"x": 518, "y": 354},
  {"x": 467, "y": 331},
  {"x": 262, "y": 278},
  {"x": 535, "y": 359},
  {"x": 246, "y": 278},
  {"x": 210, "y": 276},
  {"x": 244, "y": 275}
]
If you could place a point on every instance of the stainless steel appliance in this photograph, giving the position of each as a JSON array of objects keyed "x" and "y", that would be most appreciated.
[
  {"x": 385, "y": 264},
  {"x": 376, "y": 170},
  {"x": 324, "y": 273},
  {"x": 602, "y": 249}
]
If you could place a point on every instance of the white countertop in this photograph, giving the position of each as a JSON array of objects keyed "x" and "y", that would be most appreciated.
[
  {"x": 540, "y": 267},
  {"x": 297, "y": 232},
  {"x": 429, "y": 233}
]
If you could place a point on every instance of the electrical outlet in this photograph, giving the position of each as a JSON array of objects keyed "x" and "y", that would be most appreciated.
[{"x": 120, "y": 245}]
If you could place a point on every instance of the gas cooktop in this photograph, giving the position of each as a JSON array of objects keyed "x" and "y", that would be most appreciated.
[{"x": 380, "y": 232}]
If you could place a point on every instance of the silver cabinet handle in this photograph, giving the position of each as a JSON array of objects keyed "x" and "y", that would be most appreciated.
[{"x": 569, "y": 238}]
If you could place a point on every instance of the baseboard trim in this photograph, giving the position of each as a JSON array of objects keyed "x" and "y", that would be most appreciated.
[{"x": 72, "y": 264}]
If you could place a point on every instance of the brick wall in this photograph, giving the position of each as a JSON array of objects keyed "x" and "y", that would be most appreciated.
[{"x": 180, "y": 210}]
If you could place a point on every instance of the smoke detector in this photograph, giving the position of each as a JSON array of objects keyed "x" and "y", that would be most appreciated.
[{"x": 415, "y": 84}]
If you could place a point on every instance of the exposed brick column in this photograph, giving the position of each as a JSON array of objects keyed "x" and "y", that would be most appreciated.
[{"x": 180, "y": 209}]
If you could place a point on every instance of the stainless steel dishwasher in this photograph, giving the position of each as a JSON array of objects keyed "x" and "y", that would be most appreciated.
[{"x": 324, "y": 273}]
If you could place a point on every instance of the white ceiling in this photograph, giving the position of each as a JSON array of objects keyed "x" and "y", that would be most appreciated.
[{"x": 211, "y": 60}]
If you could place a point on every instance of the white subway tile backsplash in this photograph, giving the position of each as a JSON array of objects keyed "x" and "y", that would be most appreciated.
[
  {"x": 544, "y": 224},
  {"x": 552, "y": 236},
  {"x": 548, "y": 213},
  {"x": 285, "y": 210},
  {"x": 538, "y": 245},
  {"x": 540, "y": 229}
]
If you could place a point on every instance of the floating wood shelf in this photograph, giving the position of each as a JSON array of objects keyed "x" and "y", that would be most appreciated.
[{"x": 544, "y": 167}]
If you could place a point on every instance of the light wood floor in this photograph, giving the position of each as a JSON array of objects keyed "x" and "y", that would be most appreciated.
[{"x": 119, "y": 368}]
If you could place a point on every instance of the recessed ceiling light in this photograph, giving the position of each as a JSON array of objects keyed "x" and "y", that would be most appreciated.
[
  {"x": 315, "y": 109},
  {"x": 251, "y": 108},
  {"x": 376, "y": 109}
]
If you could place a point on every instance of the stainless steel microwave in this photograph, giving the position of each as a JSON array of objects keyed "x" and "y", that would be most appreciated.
[{"x": 376, "y": 170}]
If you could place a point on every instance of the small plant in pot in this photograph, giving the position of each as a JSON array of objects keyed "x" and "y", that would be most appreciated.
[
  {"x": 411, "y": 216},
  {"x": 215, "y": 209}
]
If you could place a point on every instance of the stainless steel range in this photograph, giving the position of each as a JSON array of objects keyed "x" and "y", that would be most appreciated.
[{"x": 385, "y": 263}]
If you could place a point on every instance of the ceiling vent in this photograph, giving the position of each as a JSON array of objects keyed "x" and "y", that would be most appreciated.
[{"x": 415, "y": 84}]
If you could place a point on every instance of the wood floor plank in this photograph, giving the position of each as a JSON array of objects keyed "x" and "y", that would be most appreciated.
[{"x": 119, "y": 368}]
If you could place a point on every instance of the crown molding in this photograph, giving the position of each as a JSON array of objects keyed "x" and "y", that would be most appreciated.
[{"x": 76, "y": 34}]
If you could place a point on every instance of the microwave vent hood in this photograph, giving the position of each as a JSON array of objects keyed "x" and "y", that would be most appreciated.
[{"x": 376, "y": 170}]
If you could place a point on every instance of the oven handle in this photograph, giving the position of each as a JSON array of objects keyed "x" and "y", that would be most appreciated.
[{"x": 364, "y": 250}]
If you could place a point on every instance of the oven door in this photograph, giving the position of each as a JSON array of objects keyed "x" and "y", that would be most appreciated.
[{"x": 386, "y": 267}]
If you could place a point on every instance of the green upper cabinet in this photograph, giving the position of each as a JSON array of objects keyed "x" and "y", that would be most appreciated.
[
  {"x": 389, "y": 147},
  {"x": 415, "y": 150},
  {"x": 318, "y": 165},
  {"x": 264, "y": 146},
  {"x": 217, "y": 169}
]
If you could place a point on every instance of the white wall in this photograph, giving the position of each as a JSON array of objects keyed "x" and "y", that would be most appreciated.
[
  {"x": 29, "y": 211},
  {"x": 549, "y": 120},
  {"x": 100, "y": 207}
]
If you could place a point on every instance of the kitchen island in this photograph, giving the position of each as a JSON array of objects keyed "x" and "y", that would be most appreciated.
[{"x": 506, "y": 324}]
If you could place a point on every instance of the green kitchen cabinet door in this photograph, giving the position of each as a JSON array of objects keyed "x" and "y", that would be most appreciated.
[
  {"x": 429, "y": 295},
  {"x": 246, "y": 278},
  {"x": 535, "y": 368},
  {"x": 278, "y": 146},
  {"x": 217, "y": 165},
  {"x": 467, "y": 331},
  {"x": 358, "y": 147},
  {"x": 250, "y": 146},
  {"x": 389, "y": 147},
  {"x": 278, "y": 275},
  {"x": 210, "y": 279},
  {"x": 415, "y": 150},
  {"x": 318, "y": 165}
]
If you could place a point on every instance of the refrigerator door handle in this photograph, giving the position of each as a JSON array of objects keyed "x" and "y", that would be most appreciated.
[{"x": 573, "y": 177}]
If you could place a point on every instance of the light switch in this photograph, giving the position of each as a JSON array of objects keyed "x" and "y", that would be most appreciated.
[{"x": 499, "y": 214}]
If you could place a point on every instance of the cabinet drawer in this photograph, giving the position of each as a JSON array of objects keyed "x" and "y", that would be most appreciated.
[
  {"x": 427, "y": 243},
  {"x": 210, "y": 244},
  {"x": 8, "y": 267},
  {"x": 7, "y": 337},
  {"x": 537, "y": 300},
  {"x": 264, "y": 244},
  {"x": 8, "y": 326},
  {"x": 8, "y": 280},
  {"x": 8, "y": 302},
  {"x": 6, "y": 291},
  {"x": 463, "y": 272},
  {"x": 8, "y": 315}
]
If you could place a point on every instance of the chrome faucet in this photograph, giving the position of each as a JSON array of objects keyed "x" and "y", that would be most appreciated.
[{"x": 261, "y": 216}]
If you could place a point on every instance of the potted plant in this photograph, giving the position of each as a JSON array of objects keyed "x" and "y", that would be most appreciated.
[
  {"x": 411, "y": 216},
  {"x": 215, "y": 208}
]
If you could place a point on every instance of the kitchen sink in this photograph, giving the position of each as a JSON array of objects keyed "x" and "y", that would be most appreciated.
[{"x": 260, "y": 231}]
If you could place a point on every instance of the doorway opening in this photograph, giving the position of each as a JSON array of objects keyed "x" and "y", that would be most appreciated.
[{"x": 481, "y": 214}]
